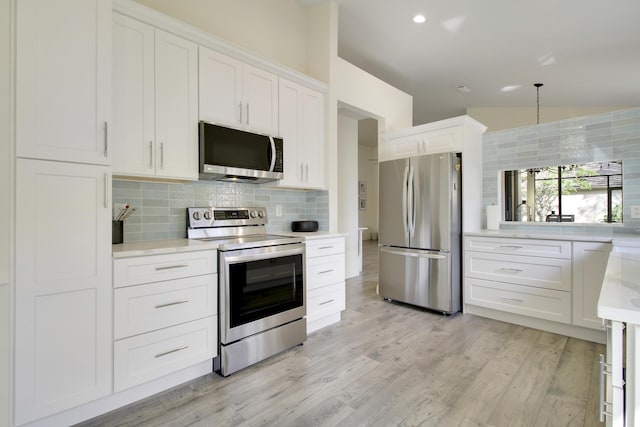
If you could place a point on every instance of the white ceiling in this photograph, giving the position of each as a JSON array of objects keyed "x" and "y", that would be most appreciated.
[{"x": 586, "y": 52}]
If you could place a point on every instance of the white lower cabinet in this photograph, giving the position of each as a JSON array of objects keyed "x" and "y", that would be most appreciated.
[
  {"x": 548, "y": 284},
  {"x": 63, "y": 287},
  {"x": 325, "y": 264},
  {"x": 165, "y": 315}
]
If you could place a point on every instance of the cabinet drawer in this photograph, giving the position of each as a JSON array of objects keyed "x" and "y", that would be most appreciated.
[
  {"x": 324, "y": 271},
  {"x": 531, "y": 247},
  {"x": 540, "y": 303},
  {"x": 547, "y": 273},
  {"x": 144, "y": 308},
  {"x": 322, "y": 247},
  {"x": 149, "y": 356},
  {"x": 156, "y": 268},
  {"x": 324, "y": 301}
]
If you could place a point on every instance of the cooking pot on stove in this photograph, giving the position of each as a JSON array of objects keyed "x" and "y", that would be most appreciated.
[{"x": 304, "y": 226}]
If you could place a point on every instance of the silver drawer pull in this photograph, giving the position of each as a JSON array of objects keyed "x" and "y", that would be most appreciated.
[
  {"x": 512, "y": 299},
  {"x": 603, "y": 369},
  {"x": 169, "y": 304},
  {"x": 171, "y": 267},
  {"x": 184, "y": 347},
  {"x": 325, "y": 272},
  {"x": 325, "y": 247},
  {"x": 511, "y": 246},
  {"x": 513, "y": 270},
  {"x": 326, "y": 302}
]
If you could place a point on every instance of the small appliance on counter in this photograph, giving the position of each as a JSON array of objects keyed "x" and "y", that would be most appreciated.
[{"x": 304, "y": 226}]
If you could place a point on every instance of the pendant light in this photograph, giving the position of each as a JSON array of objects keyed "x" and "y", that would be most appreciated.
[{"x": 538, "y": 86}]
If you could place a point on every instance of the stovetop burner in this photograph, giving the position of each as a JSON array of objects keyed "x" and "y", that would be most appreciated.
[{"x": 234, "y": 228}]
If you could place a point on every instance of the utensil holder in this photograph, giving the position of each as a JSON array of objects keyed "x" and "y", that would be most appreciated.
[{"x": 117, "y": 232}]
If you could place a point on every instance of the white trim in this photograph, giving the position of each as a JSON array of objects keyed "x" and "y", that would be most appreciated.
[{"x": 181, "y": 29}]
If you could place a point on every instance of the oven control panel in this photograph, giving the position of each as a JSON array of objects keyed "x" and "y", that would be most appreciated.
[{"x": 222, "y": 217}]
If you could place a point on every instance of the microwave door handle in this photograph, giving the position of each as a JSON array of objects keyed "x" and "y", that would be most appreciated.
[{"x": 273, "y": 154}]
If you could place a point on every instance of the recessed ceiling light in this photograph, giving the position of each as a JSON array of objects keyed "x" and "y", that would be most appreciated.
[
  {"x": 419, "y": 19},
  {"x": 510, "y": 88}
]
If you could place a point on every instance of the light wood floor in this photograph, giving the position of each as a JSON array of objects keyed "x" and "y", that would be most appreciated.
[{"x": 387, "y": 364}]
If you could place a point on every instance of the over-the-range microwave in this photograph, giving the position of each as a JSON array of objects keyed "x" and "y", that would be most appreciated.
[{"x": 228, "y": 154}]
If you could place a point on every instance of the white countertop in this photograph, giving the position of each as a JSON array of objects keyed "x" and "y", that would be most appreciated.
[
  {"x": 620, "y": 293},
  {"x": 157, "y": 247}
]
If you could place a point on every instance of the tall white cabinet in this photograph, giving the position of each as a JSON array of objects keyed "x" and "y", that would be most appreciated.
[
  {"x": 63, "y": 207},
  {"x": 155, "y": 102},
  {"x": 301, "y": 118}
]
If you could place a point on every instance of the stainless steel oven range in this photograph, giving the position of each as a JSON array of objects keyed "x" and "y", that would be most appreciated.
[{"x": 261, "y": 282}]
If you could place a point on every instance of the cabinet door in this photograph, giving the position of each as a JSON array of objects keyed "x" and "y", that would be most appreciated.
[
  {"x": 220, "y": 88},
  {"x": 260, "y": 95},
  {"x": 176, "y": 107},
  {"x": 63, "y": 80},
  {"x": 589, "y": 264},
  {"x": 290, "y": 116},
  {"x": 403, "y": 147},
  {"x": 133, "y": 97},
  {"x": 63, "y": 287},
  {"x": 313, "y": 138}
]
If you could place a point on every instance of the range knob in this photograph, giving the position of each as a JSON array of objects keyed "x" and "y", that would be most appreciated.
[
  {"x": 253, "y": 214},
  {"x": 261, "y": 214},
  {"x": 207, "y": 215},
  {"x": 196, "y": 215}
]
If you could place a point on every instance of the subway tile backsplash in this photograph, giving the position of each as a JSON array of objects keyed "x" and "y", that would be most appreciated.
[
  {"x": 161, "y": 207},
  {"x": 608, "y": 136}
]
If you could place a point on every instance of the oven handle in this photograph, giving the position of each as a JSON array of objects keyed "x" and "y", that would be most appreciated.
[{"x": 259, "y": 254}]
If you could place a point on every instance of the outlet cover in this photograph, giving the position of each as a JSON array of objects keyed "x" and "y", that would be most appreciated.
[
  {"x": 635, "y": 212},
  {"x": 279, "y": 210}
]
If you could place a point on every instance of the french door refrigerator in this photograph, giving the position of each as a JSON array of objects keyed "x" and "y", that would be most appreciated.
[{"x": 419, "y": 237}]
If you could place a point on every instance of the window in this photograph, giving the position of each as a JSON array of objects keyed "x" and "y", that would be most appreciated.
[{"x": 581, "y": 193}]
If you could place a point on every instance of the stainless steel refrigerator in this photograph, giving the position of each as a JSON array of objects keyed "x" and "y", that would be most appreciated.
[{"x": 419, "y": 237}]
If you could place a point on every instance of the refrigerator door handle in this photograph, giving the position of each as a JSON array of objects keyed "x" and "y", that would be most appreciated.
[
  {"x": 413, "y": 254},
  {"x": 405, "y": 213},
  {"x": 412, "y": 204}
]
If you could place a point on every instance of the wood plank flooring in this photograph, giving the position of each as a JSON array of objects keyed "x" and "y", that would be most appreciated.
[{"x": 387, "y": 364}]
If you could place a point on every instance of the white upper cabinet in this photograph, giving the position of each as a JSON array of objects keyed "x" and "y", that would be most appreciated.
[
  {"x": 302, "y": 129},
  {"x": 237, "y": 94},
  {"x": 63, "y": 80},
  {"x": 155, "y": 131}
]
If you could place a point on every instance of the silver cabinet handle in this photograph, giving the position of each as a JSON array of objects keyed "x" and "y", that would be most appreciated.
[
  {"x": 106, "y": 190},
  {"x": 247, "y": 113},
  {"x": 326, "y": 302},
  {"x": 511, "y": 246},
  {"x": 240, "y": 112},
  {"x": 151, "y": 154},
  {"x": 307, "y": 173},
  {"x": 170, "y": 267},
  {"x": 162, "y": 155},
  {"x": 603, "y": 369},
  {"x": 513, "y": 270},
  {"x": 511, "y": 299},
  {"x": 106, "y": 139},
  {"x": 184, "y": 347},
  {"x": 169, "y": 304},
  {"x": 325, "y": 272},
  {"x": 325, "y": 247}
]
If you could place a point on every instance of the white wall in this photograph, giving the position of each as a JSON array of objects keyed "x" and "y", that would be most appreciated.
[
  {"x": 6, "y": 181},
  {"x": 275, "y": 29},
  {"x": 368, "y": 172},
  {"x": 512, "y": 117},
  {"x": 348, "y": 190}
]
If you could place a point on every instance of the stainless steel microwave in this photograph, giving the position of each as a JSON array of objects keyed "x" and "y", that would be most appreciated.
[{"x": 228, "y": 154}]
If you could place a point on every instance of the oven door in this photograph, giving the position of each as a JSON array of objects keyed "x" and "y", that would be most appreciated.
[{"x": 260, "y": 289}]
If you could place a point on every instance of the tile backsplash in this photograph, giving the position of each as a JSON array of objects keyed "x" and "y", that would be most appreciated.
[
  {"x": 609, "y": 136},
  {"x": 161, "y": 207}
]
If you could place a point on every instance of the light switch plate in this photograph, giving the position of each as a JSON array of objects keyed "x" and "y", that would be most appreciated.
[{"x": 635, "y": 212}]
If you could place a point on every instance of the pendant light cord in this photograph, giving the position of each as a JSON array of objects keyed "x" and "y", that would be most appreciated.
[{"x": 538, "y": 85}]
